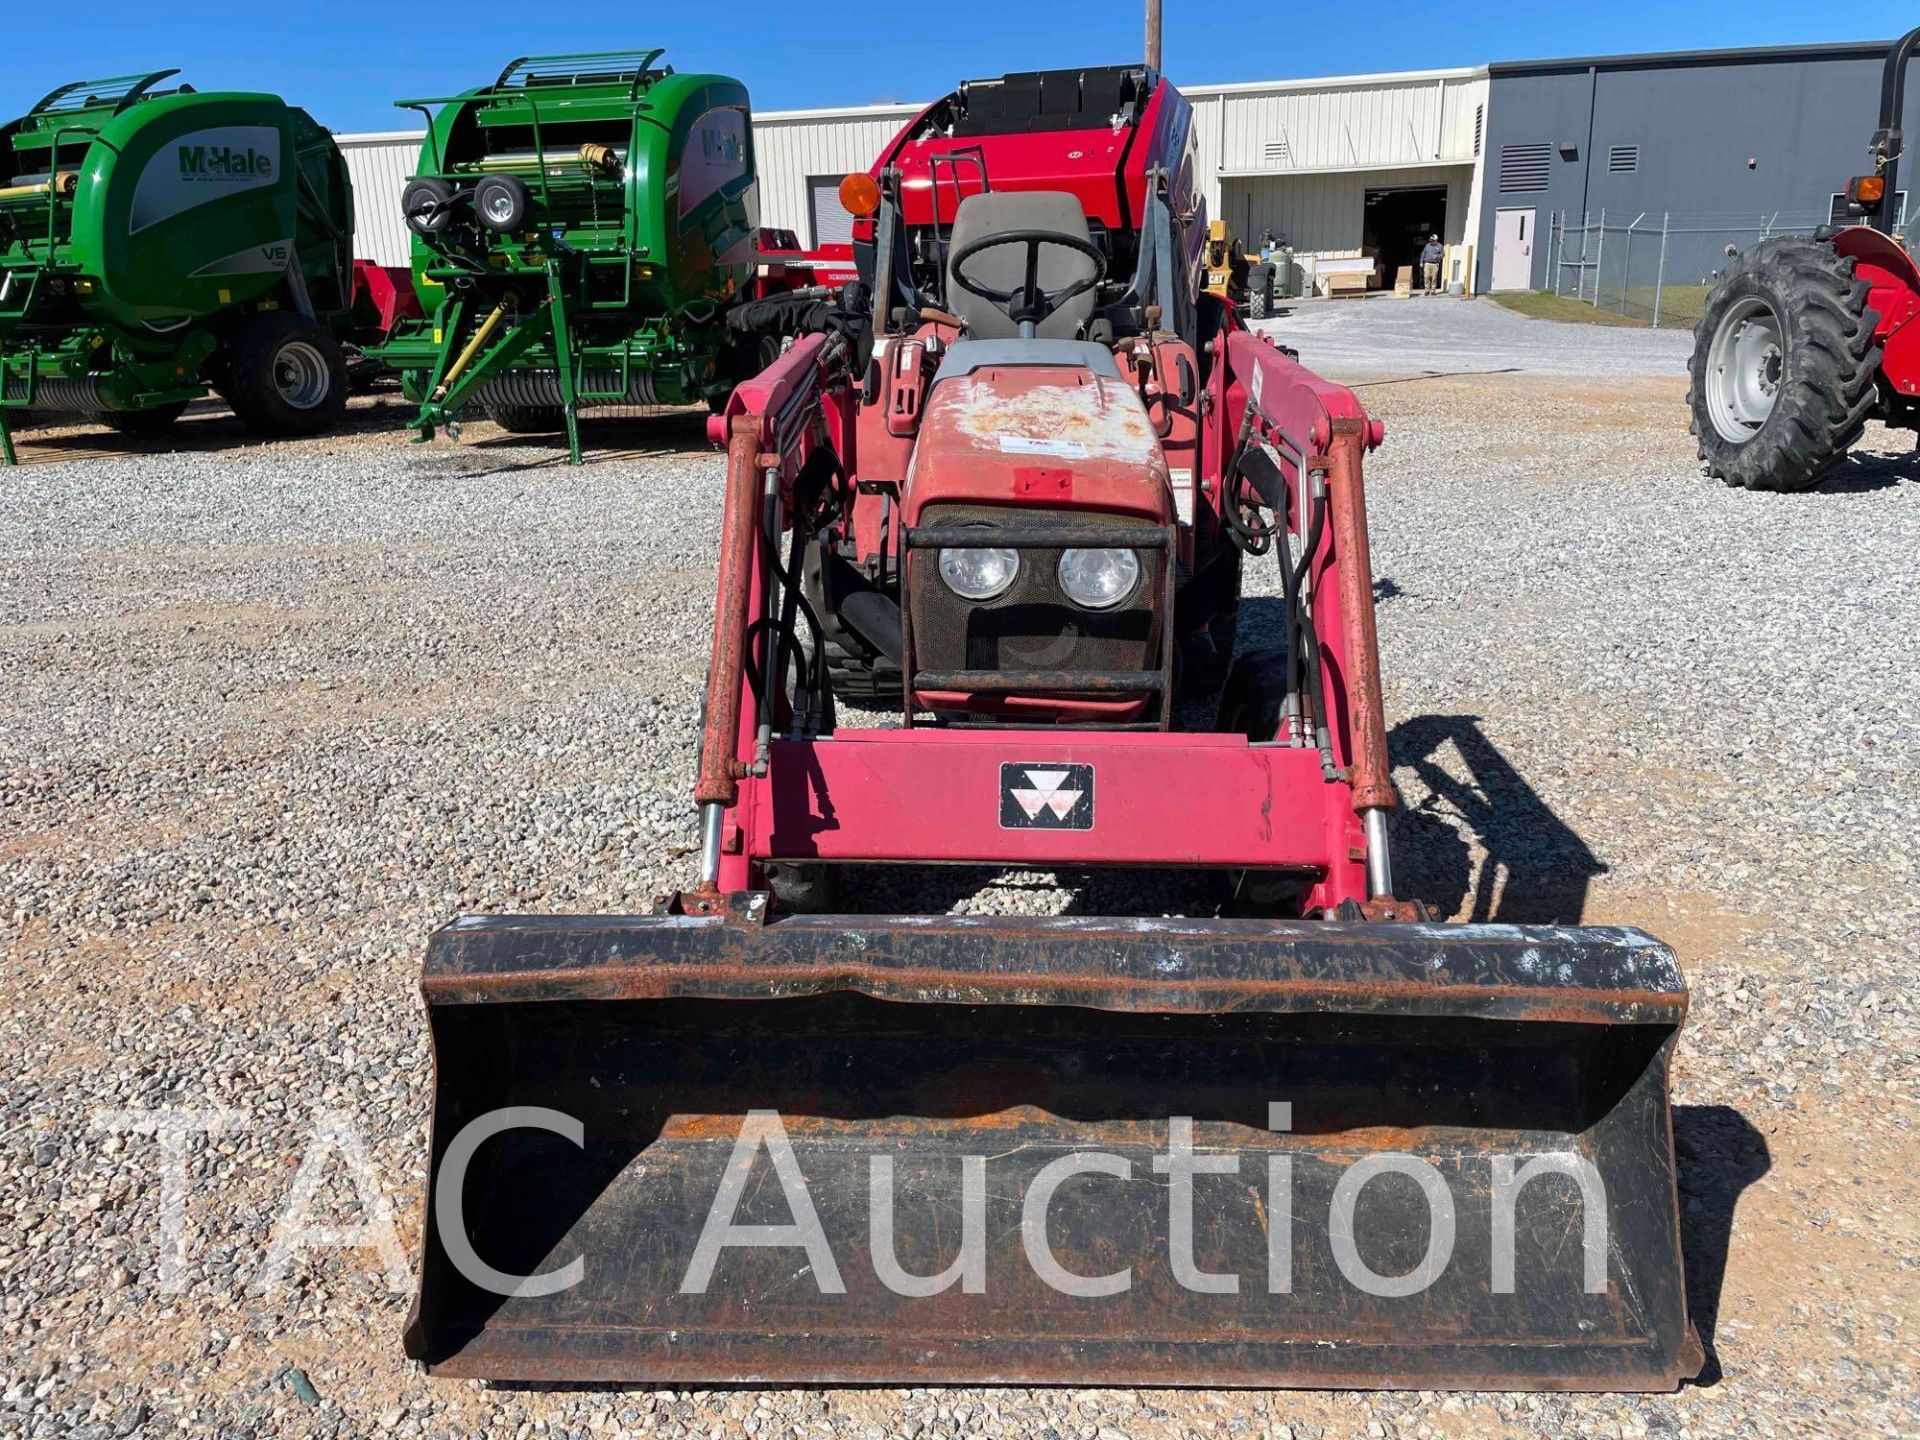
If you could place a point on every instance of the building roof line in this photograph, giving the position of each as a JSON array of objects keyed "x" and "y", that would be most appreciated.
[
  {"x": 1658, "y": 59},
  {"x": 1335, "y": 82},
  {"x": 1233, "y": 172},
  {"x": 378, "y": 137},
  {"x": 831, "y": 112},
  {"x": 1235, "y": 87}
]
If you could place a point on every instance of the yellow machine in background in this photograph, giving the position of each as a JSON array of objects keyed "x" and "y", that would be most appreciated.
[
  {"x": 1250, "y": 282},
  {"x": 1226, "y": 265}
]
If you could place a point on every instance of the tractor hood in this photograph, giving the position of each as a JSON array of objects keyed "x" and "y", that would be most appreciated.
[{"x": 1064, "y": 434}]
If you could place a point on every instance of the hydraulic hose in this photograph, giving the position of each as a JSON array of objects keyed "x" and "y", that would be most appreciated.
[
  {"x": 1251, "y": 536},
  {"x": 1304, "y": 642}
]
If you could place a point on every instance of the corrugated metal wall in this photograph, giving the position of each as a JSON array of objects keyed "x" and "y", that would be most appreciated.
[
  {"x": 1298, "y": 157},
  {"x": 1250, "y": 135},
  {"x": 1364, "y": 122},
  {"x": 792, "y": 146},
  {"x": 379, "y": 165}
]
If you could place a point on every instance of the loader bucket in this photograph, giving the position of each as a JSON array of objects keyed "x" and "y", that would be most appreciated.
[{"x": 732, "y": 1149}]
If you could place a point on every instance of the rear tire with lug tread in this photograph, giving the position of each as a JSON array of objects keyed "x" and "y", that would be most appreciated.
[
  {"x": 1783, "y": 367},
  {"x": 860, "y": 678},
  {"x": 857, "y": 673}
]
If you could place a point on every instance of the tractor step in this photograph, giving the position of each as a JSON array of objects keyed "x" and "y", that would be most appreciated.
[{"x": 733, "y": 1149}]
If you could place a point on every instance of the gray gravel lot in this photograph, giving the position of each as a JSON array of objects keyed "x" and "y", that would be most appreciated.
[
  {"x": 267, "y": 717},
  {"x": 1388, "y": 336}
]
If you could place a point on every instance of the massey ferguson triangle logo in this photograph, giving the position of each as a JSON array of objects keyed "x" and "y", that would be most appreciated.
[
  {"x": 219, "y": 162},
  {"x": 1046, "y": 795}
]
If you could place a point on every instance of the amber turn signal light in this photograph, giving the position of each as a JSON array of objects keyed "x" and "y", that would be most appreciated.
[
  {"x": 1861, "y": 190},
  {"x": 860, "y": 194}
]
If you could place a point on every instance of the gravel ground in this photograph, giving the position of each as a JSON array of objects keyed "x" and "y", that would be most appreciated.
[
  {"x": 1378, "y": 336},
  {"x": 266, "y": 717}
]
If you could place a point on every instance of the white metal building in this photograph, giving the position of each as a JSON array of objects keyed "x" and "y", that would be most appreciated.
[
  {"x": 803, "y": 156},
  {"x": 380, "y": 165},
  {"x": 1347, "y": 164},
  {"x": 1335, "y": 167}
]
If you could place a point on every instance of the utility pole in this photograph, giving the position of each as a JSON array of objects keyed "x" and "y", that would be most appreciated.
[{"x": 1153, "y": 34}]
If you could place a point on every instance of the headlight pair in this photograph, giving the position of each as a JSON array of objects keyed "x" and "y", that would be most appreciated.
[{"x": 1092, "y": 579}]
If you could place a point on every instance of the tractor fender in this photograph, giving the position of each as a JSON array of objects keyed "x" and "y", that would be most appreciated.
[
  {"x": 1867, "y": 246},
  {"x": 1894, "y": 295},
  {"x": 1883, "y": 262}
]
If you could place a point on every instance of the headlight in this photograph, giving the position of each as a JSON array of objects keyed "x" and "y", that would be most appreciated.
[
  {"x": 1098, "y": 579},
  {"x": 979, "y": 574}
]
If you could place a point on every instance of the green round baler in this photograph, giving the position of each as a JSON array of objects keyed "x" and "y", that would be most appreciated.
[{"x": 157, "y": 243}]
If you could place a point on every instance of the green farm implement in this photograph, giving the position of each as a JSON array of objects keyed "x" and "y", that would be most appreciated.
[
  {"x": 580, "y": 227},
  {"x": 157, "y": 243}
]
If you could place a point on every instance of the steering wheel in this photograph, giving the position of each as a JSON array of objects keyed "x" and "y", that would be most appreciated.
[{"x": 1029, "y": 304}]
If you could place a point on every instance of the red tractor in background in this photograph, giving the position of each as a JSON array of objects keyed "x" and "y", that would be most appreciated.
[
  {"x": 1010, "y": 477},
  {"x": 1805, "y": 340}
]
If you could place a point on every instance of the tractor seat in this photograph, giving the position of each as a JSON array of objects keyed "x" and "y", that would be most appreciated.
[{"x": 998, "y": 211}]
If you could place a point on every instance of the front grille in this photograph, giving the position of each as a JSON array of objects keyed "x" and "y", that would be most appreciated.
[{"x": 1034, "y": 626}]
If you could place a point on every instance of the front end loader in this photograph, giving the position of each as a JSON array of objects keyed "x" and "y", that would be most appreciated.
[{"x": 1307, "y": 1137}]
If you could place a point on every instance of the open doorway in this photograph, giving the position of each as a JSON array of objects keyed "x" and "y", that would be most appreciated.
[{"x": 1398, "y": 222}]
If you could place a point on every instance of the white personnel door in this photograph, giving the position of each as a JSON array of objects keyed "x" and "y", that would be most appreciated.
[{"x": 1513, "y": 249}]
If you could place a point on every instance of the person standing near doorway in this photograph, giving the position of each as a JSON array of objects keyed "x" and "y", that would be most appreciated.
[{"x": 1430, "y": 257}]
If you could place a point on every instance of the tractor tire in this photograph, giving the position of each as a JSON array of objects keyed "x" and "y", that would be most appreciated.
[
  {"x": 1783, "y": 368},
  {"x": 745, "y": 358},
  {"x": 856, "y": 671},
  {"x": 156, "y": 421},
  {"x": 859, "y": 677},
  {"x": 526, "y": 419},
  {"x": 285, "y": 375}
]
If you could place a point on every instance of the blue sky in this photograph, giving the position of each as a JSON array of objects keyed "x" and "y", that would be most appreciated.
[{"x": 347, "y": 61}]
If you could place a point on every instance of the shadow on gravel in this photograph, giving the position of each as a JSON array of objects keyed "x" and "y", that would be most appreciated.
[
  {"x": 1537, "y": 869},
  {"x": 623, "y": 437},
  {"x": 208, "y": 426},
  {"x": 1862, "y": 474},
  {"x": 1430, "y": 375},
  {"x": 1720, "y": 1154}
]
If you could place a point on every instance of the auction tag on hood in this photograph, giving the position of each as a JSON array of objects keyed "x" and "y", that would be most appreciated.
[{"x": 1034, "y": 445}]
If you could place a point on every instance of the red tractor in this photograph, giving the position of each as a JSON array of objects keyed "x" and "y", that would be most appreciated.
[
  {"x": 1805, "y": 340},
  {"x": 1011, "y": 479}
]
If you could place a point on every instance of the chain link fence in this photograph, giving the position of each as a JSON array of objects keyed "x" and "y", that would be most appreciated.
[{"x": 1658, "y": 268}]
